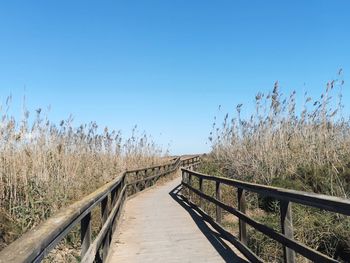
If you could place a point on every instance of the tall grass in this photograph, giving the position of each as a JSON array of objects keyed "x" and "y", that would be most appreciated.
[
  {"x": 44, "y": 166},
  {"x": 303, "y": 147},
  {"x": 279, "y": 141}
]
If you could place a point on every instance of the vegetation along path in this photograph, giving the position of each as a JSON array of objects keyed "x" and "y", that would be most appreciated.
[{"x": 155, "y": 227}]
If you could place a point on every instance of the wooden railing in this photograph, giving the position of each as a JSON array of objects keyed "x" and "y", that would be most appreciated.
[
  {"x": 37, "y": 243},
  {"x": 284, "y": 196},
  {"x": 190, "y": 162},
  {"x": 143, "y": 178}
]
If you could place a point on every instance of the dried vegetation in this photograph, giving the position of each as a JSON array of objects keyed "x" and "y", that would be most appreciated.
[
  {"x": 306, "y": 148},
  {"x": 44, "y": 166}
]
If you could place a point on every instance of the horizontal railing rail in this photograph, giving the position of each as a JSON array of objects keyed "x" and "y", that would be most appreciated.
[
  {"x": 145, "y": 177},
  {"x": 140, "y": 179},
  {"x": 190, "y": 162},
  {"x": 285, "y": 198},
  {"x": 34, "y": 245},
  {"x": 37, "y": 243}
]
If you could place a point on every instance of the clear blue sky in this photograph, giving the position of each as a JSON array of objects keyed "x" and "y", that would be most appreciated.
[{"x": 166, "y": 65}]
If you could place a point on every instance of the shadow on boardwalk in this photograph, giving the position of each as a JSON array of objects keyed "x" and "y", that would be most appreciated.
[{"x": 213, "y": 237}]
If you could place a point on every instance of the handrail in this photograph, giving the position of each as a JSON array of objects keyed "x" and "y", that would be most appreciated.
[
  {"x": 326, "y": 202},
  {"x": 285, "y": 196},
  {"x": 152, "y": 167},
  {"x": 34, "y": 245},
  {"x": 142, "y": 183},
  {"x": 140, "y": 179}
]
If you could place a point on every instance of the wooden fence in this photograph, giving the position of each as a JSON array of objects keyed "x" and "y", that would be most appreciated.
[
  {"x": 37, "y": 243},
  {"x": 284, "y": 196}
]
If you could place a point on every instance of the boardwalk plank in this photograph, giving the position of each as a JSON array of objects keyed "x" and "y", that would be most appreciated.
[{"x": 156, "y": 228}]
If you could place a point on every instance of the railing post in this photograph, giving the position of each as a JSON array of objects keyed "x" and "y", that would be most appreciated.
[
  {"x": 287, "y": 229},
  {"x": 122, "y": 184},
  {"x": 146, "y": 182},
  {"x": 114, "y": 195},
  {"x": 242, "y": 208},
  {"x": 137, "y": 185},
  {"x": 104, "y": 216},
  {"x": 153, "y": 173},
  {"x": 218, "y": 208},
  {"x": 184, "y": 181},
  {"x": 201, "y": 190},
  {"x": 190, "y": 184},
  {"x": 85, "y": 234},
  {"x": 116, "y": 217}
]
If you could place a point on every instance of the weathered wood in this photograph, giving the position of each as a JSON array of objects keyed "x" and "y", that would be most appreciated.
[
  {"x": 138, "y": 180},
  {"x": 146, "y": 181},
  {"x": 189, "y": 175},
  {"x": 190, "y": 162},
  {"x": 85, "y": 234},
  {"x": 226, "y": 234},
  {"x": 242, "y": 208},
  {"x": 156, "y": 176},
  {"x": 296, "y": 246},
  {"x": 156, "y": 228},
  {"x": 104, "y": 217},
  {"x": 201, "y": 189},
  {"x": 330, "y": 203},
  {"x": 114, "y": 194},
  {"x": 117, "y": 209},
  {"x": 218, "y": 197},
  {"x": 152, "y": 167},
  {"x": 37, "y": 243},
  {"x": 89, "y": 256},
  {"x": 287, "y": 229}
]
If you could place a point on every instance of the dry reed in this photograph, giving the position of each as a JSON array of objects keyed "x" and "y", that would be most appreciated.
[
  {"x": 278, "y": 142},
  {"x": 305, "y": 148},
  {"x": 45, "y": 166}
]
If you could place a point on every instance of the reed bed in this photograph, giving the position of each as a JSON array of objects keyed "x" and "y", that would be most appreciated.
[
  {"x": 45, "y": 166},
  {"x": 282, "y": 144}
]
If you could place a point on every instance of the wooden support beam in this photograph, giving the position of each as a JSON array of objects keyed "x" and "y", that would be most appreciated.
[
  {"x": 190, "y": 183},
  {"x": 201, "y": 189},
  {"x": 104, "y": 217},
  {"x": 287, "y": 229},
  {"x": 218, "y": 208},
  {"x": 242, "y": 208},
  {"x": 85, "y": 234}
]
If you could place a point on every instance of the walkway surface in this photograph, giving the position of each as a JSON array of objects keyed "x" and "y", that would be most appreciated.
[{"x": 157, "y": 227}]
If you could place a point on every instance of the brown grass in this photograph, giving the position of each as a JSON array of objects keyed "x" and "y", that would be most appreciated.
[
  {"x": 45, "y": 166},
  {"x": 278, "y": 142},
  {"x": 303, "y": 148}
]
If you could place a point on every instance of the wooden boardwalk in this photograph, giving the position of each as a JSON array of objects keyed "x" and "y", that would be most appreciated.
[
  {"x": 156, "y": 227},
  {"x": 160, "y": 225}
]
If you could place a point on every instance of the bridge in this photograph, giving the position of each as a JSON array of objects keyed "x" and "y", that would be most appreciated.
[{"x": 156, "y": 214}]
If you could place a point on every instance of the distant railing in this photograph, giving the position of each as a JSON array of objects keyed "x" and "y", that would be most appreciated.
[
  {"x": 37, "y": 243},
  {"x": 190, "y": 162},
  {"x": 285, "y": 198}
]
